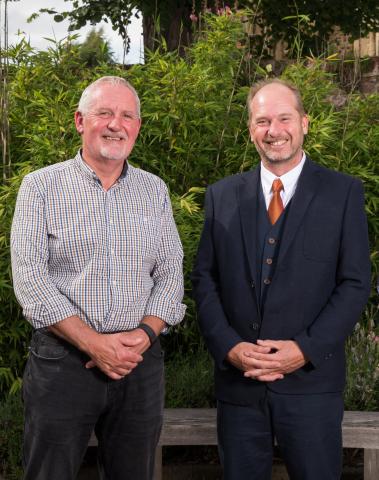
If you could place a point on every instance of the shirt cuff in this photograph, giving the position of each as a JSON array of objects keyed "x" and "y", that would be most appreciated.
[
  {"x": 171, "y": 313},
  {"x": 42, "y": 315}
]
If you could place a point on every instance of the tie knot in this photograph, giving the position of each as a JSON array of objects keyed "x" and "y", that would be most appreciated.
[{"x": 277, "y": 185}]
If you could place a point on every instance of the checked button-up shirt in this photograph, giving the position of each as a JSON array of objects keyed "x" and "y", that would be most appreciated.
[{"x": 109, "y": 257}]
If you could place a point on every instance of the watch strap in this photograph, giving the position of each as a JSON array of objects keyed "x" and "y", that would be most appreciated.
[{"x": 149, "y": 332}]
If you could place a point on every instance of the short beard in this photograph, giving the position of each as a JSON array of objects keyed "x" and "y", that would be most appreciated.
[
  {"x": 278, "y": 161},
  {"x": 116, "y": 157}
]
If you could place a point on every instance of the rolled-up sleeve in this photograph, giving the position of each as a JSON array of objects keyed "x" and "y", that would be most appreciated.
[
  {"x": 167, "y": 293},
  {"x": 42, "y": 303}
]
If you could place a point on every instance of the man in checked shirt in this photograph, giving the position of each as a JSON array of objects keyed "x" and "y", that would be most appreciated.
[{"x": 97, "y": 268}]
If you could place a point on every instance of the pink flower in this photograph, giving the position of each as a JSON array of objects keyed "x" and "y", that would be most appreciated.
[
  {"x": 224, "y": 11},
  {"x": 193, "y": 17}
]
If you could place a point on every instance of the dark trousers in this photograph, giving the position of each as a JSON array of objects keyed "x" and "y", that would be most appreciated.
[
  {"x": 64, "y": 402},
  {"x": 307, "y": 429}
]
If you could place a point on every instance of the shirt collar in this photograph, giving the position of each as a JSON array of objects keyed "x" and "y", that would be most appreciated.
[
  {"x": 90, "y": 174},
  {"x": 289, "y": 179}
]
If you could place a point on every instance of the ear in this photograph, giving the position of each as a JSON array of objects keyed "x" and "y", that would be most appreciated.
[
  {"x": 79, "y": 122},
  {"x": 305, "y": 124}
]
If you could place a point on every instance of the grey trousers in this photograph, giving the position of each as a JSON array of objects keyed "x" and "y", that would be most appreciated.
[{"x": 64, "y": 402}]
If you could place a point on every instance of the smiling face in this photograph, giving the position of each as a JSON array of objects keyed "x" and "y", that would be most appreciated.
[
  {"x": 110, "y": 126},
  {"x": 277, "y": 128}
]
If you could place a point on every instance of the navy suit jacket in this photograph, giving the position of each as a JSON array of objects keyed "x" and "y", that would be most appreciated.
[{"x": 319, "y": 288}]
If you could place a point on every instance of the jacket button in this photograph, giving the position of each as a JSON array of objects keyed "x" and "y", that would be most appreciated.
[
  {"x": 252, "y": 285},
  {"x": 271, "y": 241},
  {"x": 255, "y": 326},
  {"x": 267, "y": 281},
  {"x": 269, "y": 261}
]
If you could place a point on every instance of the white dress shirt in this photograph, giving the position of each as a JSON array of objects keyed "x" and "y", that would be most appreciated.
[{"x": 289, "y": 181}]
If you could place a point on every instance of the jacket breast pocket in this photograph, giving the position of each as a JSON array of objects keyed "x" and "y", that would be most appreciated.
[{"x": 321, "y": 238}]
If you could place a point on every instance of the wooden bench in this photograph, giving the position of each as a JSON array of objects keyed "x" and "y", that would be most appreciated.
[{"x": 197, "y": 426}]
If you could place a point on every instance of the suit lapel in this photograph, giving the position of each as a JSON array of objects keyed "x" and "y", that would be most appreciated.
[
  {"x": 305, "y": 191},
  {"x": 247, "y": 194}
]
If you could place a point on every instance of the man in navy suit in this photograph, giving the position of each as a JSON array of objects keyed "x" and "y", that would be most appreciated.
[{"x": 281, "y": 277}]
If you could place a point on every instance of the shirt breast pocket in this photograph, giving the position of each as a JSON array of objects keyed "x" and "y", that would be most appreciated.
[{"x": 140, "y": 237}]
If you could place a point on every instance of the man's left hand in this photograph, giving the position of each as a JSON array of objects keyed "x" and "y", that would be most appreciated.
[{"x": 285, "y": 352}]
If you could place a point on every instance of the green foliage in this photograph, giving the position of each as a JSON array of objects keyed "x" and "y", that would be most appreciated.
[
  {"x": 185, "y": 338},
  {"x": 189, "y": 381},
  {"x": 193, "y": 112},
  {"x": 95, "y": 49},
  {"x": 355, "y": 18},
  {"x": 362, "y": 355},
  {"x": 11, "y": 427}
]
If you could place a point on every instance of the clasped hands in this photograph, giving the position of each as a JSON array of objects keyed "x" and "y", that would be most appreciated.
[
  {"x": 268, "y": 360},
  {"x": 117, "y": 354}
]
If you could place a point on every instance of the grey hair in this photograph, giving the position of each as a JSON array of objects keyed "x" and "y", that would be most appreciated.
[
  {"x": 86, "y": 98},
  {"x": 276, "y": 81}
]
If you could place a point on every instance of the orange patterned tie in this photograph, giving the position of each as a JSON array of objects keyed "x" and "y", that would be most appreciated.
[{"x": 276, "y": 205}]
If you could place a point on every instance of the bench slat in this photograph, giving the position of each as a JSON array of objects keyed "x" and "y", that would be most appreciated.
[
  {"x": 197, "y": 426},
  {"x": 189, "y": 426}
]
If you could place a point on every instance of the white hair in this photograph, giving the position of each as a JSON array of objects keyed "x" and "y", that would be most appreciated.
[{"x": 87, "y": 95}]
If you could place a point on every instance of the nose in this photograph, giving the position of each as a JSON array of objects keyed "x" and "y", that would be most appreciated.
[
  {"x": 274, "y": 129},
  {"x": 114, "y": 123}
]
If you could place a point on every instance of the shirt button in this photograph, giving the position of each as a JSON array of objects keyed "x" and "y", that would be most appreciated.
[
  {"x": 269, "y": 261},
  {"x": 267, "y": 281},
  {"x": 271, "y": 241},
  {"x": 255, "y": 326}
]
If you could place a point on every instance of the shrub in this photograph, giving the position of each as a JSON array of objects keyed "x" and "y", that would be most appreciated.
[
  {"x": 11, "y": 425},
  {"x": 362, "y": 357},
  {"x": 189, "y": 381}
]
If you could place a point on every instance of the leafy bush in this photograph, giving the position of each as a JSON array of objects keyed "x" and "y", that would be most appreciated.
[
  {"x": 362, "y": 355},
  {"x": 189, "y": 381},
  {"x": 11, "y": 426}
]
